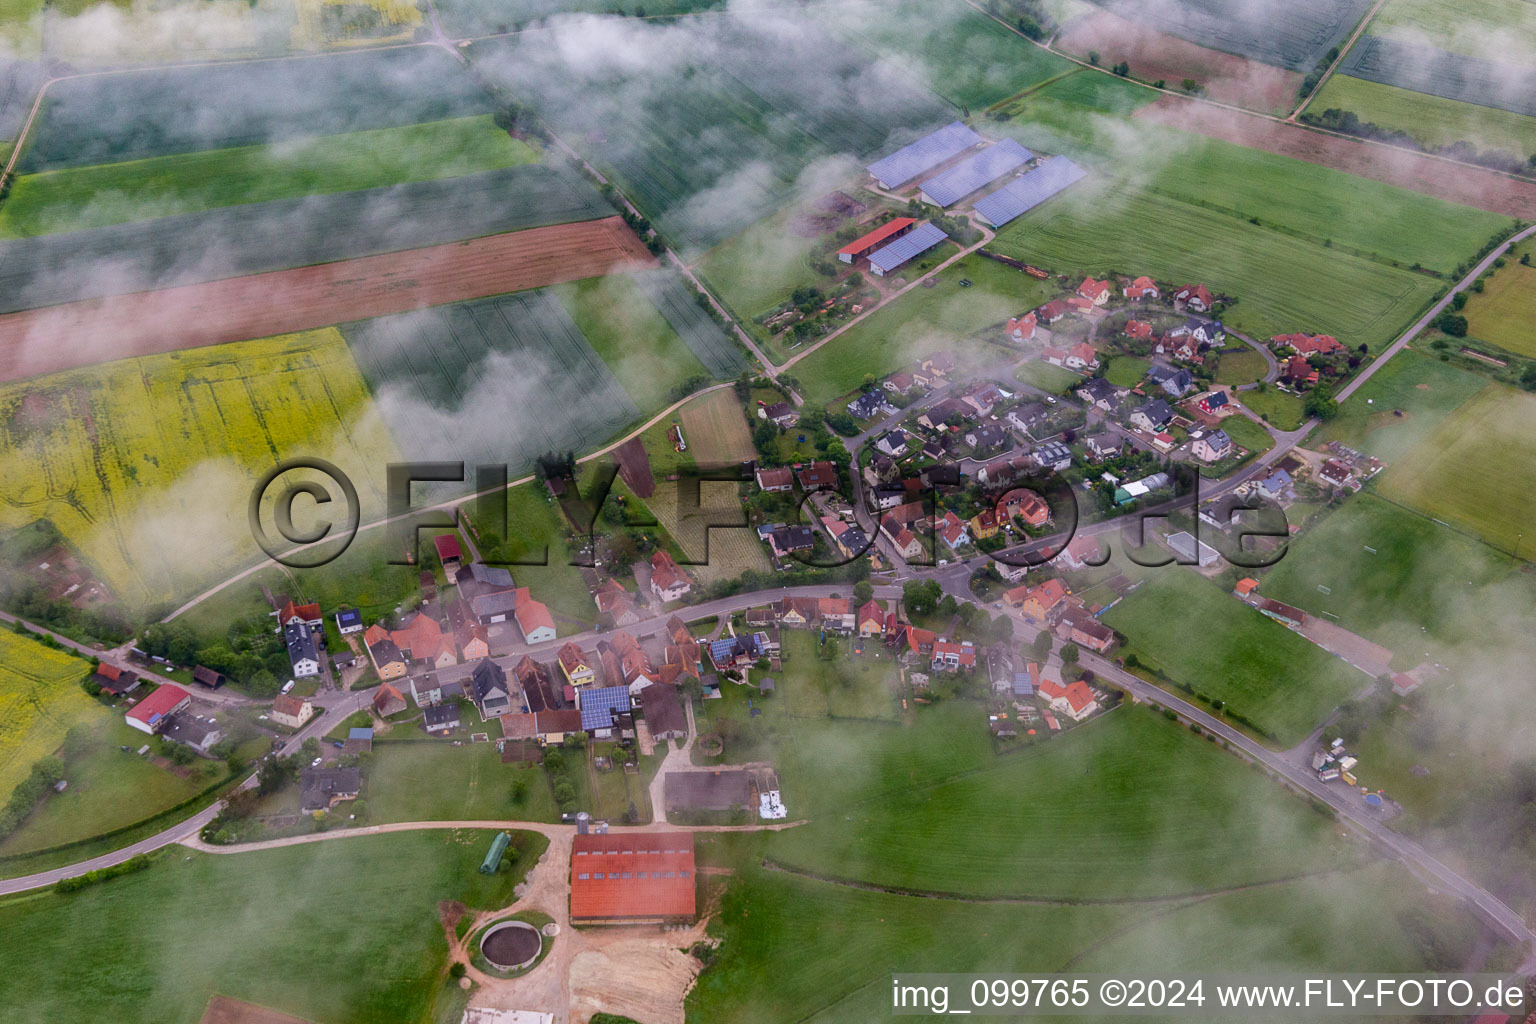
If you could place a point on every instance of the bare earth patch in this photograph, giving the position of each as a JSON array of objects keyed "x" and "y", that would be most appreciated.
[
  {"x": 644, "y": 979},
  {"x": 1456, "y": 183},
  {"x": 224, "y": 1010},
  {"x": 261, "y": 305},
  {"x": 1155, "y": 55}
]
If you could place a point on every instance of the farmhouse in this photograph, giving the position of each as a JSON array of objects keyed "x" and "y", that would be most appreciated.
[
  {"x": 664, "y": 715},
  {"x": 423, "y": 641},
  {"x": 600, "y": 706},
  {"x": 867, "y": 243},
  {"x": 668, "y": 581},
  {"x": 308, "y": 614},
  {"x": 323, "y": 788},
  {"x": 302, "y": 654},
  {"x": 633, "y": 878},
  {"x": 114, "y": 680},
  {"x": 1141, "y": 288},
  {"x": 1195, "y": 296},
  {"x": 291, "y": 711},
  {"x": 1213, "y": 446},
  {"x": 151, "y": 713},
  {"x": 471, "y": 638}
]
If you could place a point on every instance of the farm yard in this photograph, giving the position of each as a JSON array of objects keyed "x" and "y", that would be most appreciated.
[
  {"x": 1471, "y": 186},
  {"x": 145, "y": 465},
  {"x": 1446, "y": 477},
  {"x": 259, "y": 237},
  {"x": 1504, "y": 311},
  {"x": 40, "y": 701},
  {"x": 1430, "y": 120},
  {"x": 78, "y": 198},
  {"x": 109, "y": 118},
  {"x": 500, "y": 380},
  {"x": 1282, "y": 282},
  {"x": 1280, "y": 682},
  {"x": 312, "y": 297},
  {"x": 734, "y": 133},
  {"x": 1155, "y": 56},
  {"x": 1295, "y": 36},
  {"x": 294, "y": 910},
  {"x": 921, "y": 322}
]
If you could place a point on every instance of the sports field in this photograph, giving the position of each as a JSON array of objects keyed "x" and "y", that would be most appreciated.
[
  {"x": 641, "y": 349},
  {"x": 1283, "y": 283},
  {"x": 921, "y": 322},
  {"x": 1477, "y": 470},
  {"x": 500, "y": 380},
  {"x": 146, "y": 465},
  {"x": 40, "y": 700},
  {"x": 1505, "y": 310},
  {"x": 1431, "y": 120},
  {"x": 297, "y": 912},
  {"x": 1282, "y": 683},
  {"x": 1400, "y": 404},
  {"x": 76, "y": 198},
  {"x": 102, "y": 119}
]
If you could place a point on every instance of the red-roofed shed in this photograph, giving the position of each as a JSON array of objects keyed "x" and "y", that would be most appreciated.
[
  {"x": 866, "y": 244},
  {"x": 633, "y": 878}
]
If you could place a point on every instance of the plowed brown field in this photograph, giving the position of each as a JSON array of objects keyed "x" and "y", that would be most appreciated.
[
  {"x": 1455, "y": 183},
  {"x": 81, "y": 333}
]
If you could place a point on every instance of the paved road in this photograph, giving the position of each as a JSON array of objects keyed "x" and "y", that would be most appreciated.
[{"x": 1425, "y": 320}]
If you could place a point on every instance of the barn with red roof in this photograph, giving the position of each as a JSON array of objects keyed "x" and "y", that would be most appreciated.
[
  {"x": 633, "y": 878},
  {"x": 866, "y": 244}
]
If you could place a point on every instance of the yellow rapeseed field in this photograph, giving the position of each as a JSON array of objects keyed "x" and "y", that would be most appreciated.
[{"x": 40, "y": 699}]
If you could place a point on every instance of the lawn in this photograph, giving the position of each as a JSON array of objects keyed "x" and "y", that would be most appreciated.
[
  {"x": 146, "y": 465},
  {"x": 1432, "y": 120},
  {"x": 1277, "y": 407},
  {"x": 923, "y": 321},
  {"x": 1283, "y": 283},
  {"x": 1477, "y": 469},
  {"x": 863, "y": 687},
  {"x": 1126, "y": 371},
  {"x": 86, "y": 197},
  {"x": 641, "y": 349},
  {"x": 40, "y": 701},
  {"x": 1280, "y": 682},
  {"x": 467, "y": 783},
  {"x": 1506, "y": 308},
  {"x": 1248, "y": 434},
  {"x": 534, "y": 523},
  {"x": 1240, "y": 366},
  {"x": 1419, "y": 386},
  {"x": 309, "y": 915},
  {"x": 1130, "y": 806},
  {"x": 1047, "y": 377}
]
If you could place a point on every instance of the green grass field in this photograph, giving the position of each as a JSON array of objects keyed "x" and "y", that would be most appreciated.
[
  {"x": 1126, "y": 371},
  {"x": 923, "y": 321},
  {"x": 1499, "y": 30},
  {"x": 1240, "y": 366},
  {"x": 1432, "y": 120},
  {"x": 1283, "y": 410},
  {"x": 641, "y": 348},
  {"x": 340, "y": 931},
  {"x": 40, "y": 701},
  {"x": 1047, "y": 377},
  {"x": 146, "y": 465},
  {"x": 1505, "y": 310},
  {"x": 1477, "y": 470},
  {"x": 1263, "y": 671},
  {"x": 1248, "y": 434},
  {"x": 1477, "y": 594},
  {"x": 1419, "y": 386},
  {"x": 469, "y": 784},
  {"x": 86, "y": 197},
  {"x": 1282, "y": 282}
]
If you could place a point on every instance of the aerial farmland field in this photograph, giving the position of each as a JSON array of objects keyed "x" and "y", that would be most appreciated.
[
  {"x": 1498, "y": 30},
  {"x": 1429, "y": 69},
  {"x": 678, "y": 302},
  {"x": 1504, "y": 311},
  {"x": 128, "y": 116},
  {"x": 1400, "y": 405},
  {"x": 500, "y": 380},
  {"x": 1271, "y": 676},
  {"x": 1431, "y": 120},
  {"x": 1281, "y": 282},
  {"x": 75, "y": 198},
  {"x": 40, "y": 701},
  {"x": 145, "y": 465},
  {"x": 1295, "y": 36}
]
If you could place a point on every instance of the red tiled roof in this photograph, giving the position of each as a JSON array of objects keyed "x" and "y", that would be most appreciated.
[
  {"x": 447, "y": 547},
  {"x": 307, "y": 612},
  {"x": 531, "y": 614},
  {"x": 1078, "y": 695},
  {"x": 665, "y": 572},
  {"x": 875, "y": 237},
  {"x": 1138, "y": 329},
  {"x": 638, "y": 875},
  {"x": 158, "y": 704},
  {"x": 288, "y": 704}
]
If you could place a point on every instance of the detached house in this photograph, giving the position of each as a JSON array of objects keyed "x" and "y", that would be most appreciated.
[
  {"x": 951, "y": 529},
  {"x": 1022, "y": 328},
  {"x": 1076, "y": 700},
  {"x": 303, "y": 654},
  {"x": 1082, "y": 356},
  {"x": 576, "y": 666},
  {"x": 1096, "y": 292},
  {"x": 290, "y": 711},
  {"x": 893, "y": 444},
  {"x": 869, "y": 405},
  {"x": 780, "y": 414},
  {"x": 422, "y": 640},
  {"x": 533, "y": 618},
  {"x": 668, "y": 581},
  {"x": 1139, "y": 329},
  {"x": 1196, "y": 297},
  {"x": 1141, "y": 288},
  {"x": 388, "y": 661},
  {"x": 488, "y": 686},
  {"x": 1152, "y": 416},
  {"x": 308, "y": 614},
  {"x": 1213, "y": 446},
  {"x": 871, "y": 619},
  {"x": 949, "y": 656},
  {"x": 1043, "y": 600},
  {"x": 774, "y": 480}
]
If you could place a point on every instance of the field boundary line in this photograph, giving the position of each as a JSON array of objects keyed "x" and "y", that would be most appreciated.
[{"x": 1349, "y": 44}]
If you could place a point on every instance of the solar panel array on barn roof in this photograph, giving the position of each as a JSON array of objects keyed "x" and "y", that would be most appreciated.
[
  {"x": 975, "y": 171},
  {"x": 1028, "y": 191},
  {"x": 922, "y": 238},
  {"x": 598, "y": 706},
  {"x": 927, "y": 152}
]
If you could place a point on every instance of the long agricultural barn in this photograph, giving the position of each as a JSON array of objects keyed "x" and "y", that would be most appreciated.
[
  {"x": 974, "y": 172},
  {"x": 633, "y": 878},
  {"x": 925, "y": 154},
  {"x": 1028, "y": 191},
  {"x": 915, "y": 242},
  {"x": 883, "y": 234}
]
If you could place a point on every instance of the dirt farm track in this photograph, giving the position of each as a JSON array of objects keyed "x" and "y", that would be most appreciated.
[{"x": 60, "y": 337}]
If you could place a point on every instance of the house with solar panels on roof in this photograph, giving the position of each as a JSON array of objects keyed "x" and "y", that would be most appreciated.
[
  {"x": 928, "y": 152},
  {"x": 601, "y": 708}
]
